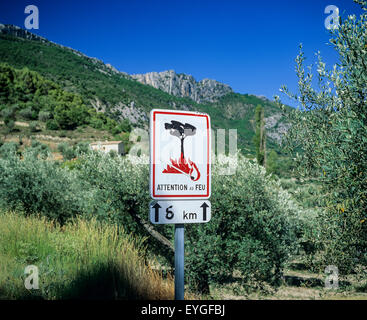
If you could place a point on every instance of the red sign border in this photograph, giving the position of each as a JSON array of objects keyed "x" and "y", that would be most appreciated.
[{"x": 205, "y": 196}]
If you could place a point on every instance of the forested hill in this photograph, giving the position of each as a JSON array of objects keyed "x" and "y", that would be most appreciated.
[{"x": 92, "y": 84}]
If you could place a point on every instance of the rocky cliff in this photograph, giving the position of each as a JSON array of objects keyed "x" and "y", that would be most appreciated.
[{"x": 183, "y": 85}]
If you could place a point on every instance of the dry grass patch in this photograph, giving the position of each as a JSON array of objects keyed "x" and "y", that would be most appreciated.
[{"x": 81, "y": 260}]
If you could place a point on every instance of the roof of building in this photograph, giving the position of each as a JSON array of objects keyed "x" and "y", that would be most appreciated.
[{"x": 105, "y": 142}]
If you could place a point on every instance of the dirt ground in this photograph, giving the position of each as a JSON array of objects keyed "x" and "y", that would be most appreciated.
[{"x": 296, "y": 286}]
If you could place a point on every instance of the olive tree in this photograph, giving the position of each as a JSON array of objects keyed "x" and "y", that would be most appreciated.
[
  {"x": 252, "y": 232},
  {"x": 330, "y": 130}
]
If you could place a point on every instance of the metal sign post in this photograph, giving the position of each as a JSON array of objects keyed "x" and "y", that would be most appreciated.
[
  {"x": 179, "y": 262},
  {"x": 180, "y": 170}
]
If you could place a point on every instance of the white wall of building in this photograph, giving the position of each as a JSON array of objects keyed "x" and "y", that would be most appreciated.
[{"x": 106, "y": 148}]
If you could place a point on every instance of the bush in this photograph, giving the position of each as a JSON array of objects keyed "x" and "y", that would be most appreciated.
[
  {"x": 8, "y": 113},
  {"x": 39, "y": 149},
  {"x": 44, "y": 116},
  {"x": 252, "y": 231},
  {"x": 10, "y": 125},
  {"x": 52, "y": 125},
  {"x": 38, "y": 186},
  {"x": 120, "y": 188},
  {"x": 125, "y": 125},
  {"x": 82, "y": 147},
  {"x": 9, "y": 117},
  {"x": 28, "y": 114},
  {"x": 8, "y": 148},
  {"x": 96, "y": 123},
  {"x": 68, "y": 152},
  {"x": 33, "y": 126},
  {"x": 115, "y": 130},
  {"x": 272, "y": 163},
  {"x": 116, "y": 188}
]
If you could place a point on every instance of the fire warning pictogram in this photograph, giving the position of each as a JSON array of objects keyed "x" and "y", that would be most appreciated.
[
  {"x": 182, "y": 166},
  {"x": 180, "y": 155}
]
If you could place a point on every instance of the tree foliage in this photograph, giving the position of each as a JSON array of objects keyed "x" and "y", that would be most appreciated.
[
  {"x": 272, "y": 162},
  {"x": 330, "y": 127},
  {"x": 27, "y": 94},
  {"x": 253, "y": 220},
  {"x": 260, "y": 136},
  {"x": 252, "y": 231}
]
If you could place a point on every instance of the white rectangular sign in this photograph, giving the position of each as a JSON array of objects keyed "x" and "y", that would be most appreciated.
[
  {"x": 178, "y": 212},
  {"x": 180, "y": 155}
]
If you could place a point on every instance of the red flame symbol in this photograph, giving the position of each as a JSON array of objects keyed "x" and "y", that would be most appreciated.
[{"x": 183, "y": 166}]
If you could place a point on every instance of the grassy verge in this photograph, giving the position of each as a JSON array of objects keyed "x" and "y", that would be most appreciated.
[{"x": 81, "y": 260}]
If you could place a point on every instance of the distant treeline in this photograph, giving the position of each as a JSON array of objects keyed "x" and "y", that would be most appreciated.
[{"x": 26, "y": 94}]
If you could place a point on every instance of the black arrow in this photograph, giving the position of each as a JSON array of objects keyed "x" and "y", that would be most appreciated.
[
  {"x": 204, "y": 206},
  {"x": 156, "y": 207}
]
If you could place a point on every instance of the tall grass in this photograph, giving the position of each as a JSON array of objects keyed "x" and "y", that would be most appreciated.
[{"x": 82, "y": 259}]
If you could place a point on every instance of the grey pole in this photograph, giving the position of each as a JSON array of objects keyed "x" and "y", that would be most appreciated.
[{"x": 179, "y": 262}]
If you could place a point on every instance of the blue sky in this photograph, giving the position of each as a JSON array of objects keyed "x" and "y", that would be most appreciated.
[{"x": 249, "y": 45}]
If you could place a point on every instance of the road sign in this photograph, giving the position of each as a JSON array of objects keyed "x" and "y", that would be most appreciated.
[
  {"x": 180, "y": 169},
  {"x": 180, "y": 211},
  {"x": 180, "y": 155}
]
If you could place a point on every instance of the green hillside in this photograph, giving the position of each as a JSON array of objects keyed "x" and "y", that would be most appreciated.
[{"x": 97, "y": 85}]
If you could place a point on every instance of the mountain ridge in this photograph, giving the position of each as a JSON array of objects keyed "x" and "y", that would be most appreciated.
[
  {"x": 177, "y": 84},
  {"x": 184, "y": 85},
  {"x": 15, "y": 31},
  {"x": 121, "y": 96}
]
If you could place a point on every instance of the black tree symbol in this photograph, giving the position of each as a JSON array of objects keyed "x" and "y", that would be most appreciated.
[{"x": 181, "y": 131}]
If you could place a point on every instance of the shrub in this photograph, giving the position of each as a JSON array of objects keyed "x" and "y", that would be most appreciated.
[
  {"x": 259, "y": 138},
  {"x": 252, "y": 231},
  {"x": 9, "y": 117},
  {"x": 8, "y": 113},
  {"x": 125, "y": 125},
  {"x": 39, "y": 186},
  {"x": 120, "y": 188},
  {"x": 10, "y": 125},
  {"x": 52, "y": 124},
  {"x": 8, "y": 148},
  {"x": 115, "y": 130},
  {"x": 39, "y": 150},
  {"x": 28, "y": 114},
  {"x": 96, "y": 123},
  {"x": 33, "y": 126},
  {"x": 271, "y": 164},
  {"x": 82, "y": 147},
  {"x": 44, "y": 116},
  {"x": 68, "y": 152}
]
